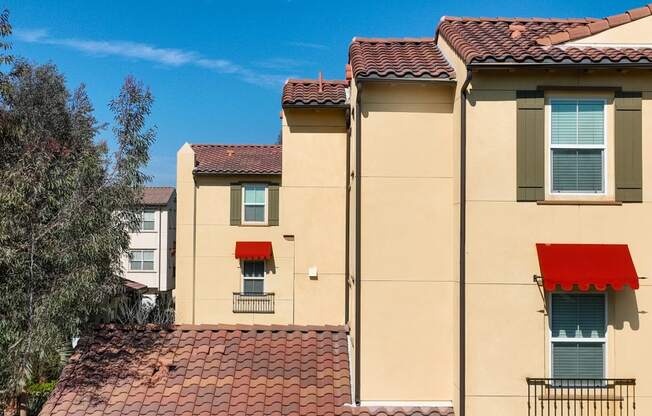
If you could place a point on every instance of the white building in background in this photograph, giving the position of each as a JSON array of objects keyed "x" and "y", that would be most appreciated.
[{"x": 150, "y": 266}]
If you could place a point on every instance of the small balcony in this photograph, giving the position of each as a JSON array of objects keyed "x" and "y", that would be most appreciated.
[
  {"x": 253, "y": 302},
  {"x": 581, "y": 397}
]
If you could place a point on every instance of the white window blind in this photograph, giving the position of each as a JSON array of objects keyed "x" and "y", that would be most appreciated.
[
  {"x": 577, "y": 146},
  {"x": 578, "y": 335}
]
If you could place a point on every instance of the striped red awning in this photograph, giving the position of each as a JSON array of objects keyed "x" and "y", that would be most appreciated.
[
  {"x": 253, "y": 250},
  {"x": 584, "y": 265}
]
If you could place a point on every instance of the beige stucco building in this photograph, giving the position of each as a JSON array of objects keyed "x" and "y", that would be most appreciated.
[{"x": 475, "y": 206}]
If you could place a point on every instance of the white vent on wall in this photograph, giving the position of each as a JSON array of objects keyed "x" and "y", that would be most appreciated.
[{"x": 312, "y": 271}]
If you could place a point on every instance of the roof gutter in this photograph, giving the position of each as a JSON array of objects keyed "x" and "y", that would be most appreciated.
[
  {"x": 558, "y": 65},
  {"x": 462, "y": 237}
]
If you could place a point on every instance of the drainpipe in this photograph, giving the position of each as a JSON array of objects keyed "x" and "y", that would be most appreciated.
[
  {"x": 462, "y": 254},
  {"x": 194, "y": 246},
  {"x": 358, "y": 232}
]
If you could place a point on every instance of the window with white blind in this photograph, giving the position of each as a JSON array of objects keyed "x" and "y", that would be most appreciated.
[
  {"x": 141, "y": 260},
  {"x": 578, "y": 335},
  {"x": 147, "y": 220},
  {"x": 577, "y": 146},
  {"x": 253, "y": 277},
  {"x": 254, "y": 203}
]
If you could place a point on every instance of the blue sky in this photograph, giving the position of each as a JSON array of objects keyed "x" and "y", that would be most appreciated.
[{"x": 216, "y": 68}]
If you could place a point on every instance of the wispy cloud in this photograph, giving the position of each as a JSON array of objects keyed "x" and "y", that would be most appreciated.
[
  {"x": 307, "y": 45},
  {"x": 281, "y": 63},
  {"x": 149, "y": 53}
]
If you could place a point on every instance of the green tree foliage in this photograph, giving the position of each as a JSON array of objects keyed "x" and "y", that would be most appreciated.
[{"x": 66, "y": 208}]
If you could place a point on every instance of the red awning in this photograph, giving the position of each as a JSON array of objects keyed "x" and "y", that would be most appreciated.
[
  {"x": 586, "y": 265},
  {"x": 253, "y": 250}
]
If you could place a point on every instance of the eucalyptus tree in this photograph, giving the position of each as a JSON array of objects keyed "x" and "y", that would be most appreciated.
[{"x": 67, "y": 204}]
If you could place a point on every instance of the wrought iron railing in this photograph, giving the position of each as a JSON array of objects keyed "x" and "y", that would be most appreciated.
[
  {"x": 253, "y": 302},
  {"x": 581, "y": 397}
]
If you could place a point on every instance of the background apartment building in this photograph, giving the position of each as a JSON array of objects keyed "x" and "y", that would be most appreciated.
[
  {"x": 262, "y": 228},
  {"x": 150, "y": 265}
]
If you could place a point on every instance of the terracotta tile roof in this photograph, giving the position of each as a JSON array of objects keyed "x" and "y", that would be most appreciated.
[
  {"x": 157, "y": 195},
  {"x": 519, "y": 40},
  {"x": 133, "y": 285},
  {"x": 400, "y": 58},
  {"x": 237, "y": 159},
  {"x": 314, "y": 92},
  {"x": 206, "y": 370}
]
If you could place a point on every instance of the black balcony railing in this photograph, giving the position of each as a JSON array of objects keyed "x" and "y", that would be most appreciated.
[
  {"x": 253, "y": 302},
  {"x": 581, "y": 397}
]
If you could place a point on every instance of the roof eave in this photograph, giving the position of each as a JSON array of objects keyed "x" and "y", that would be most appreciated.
[
  {"x": 549, "y": 64},
  {"x": 394, "y": 78},
  {"x": 205, "y": 173},
  {"x": 315, "y": 105}
]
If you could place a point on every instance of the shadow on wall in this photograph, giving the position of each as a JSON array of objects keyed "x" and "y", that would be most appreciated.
[{"x": 625, "y": 309}]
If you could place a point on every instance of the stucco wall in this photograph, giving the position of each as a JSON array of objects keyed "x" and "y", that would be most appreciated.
[
  {"x": 407, "y": 275},
  {"x": 310, "y": 232},
  {"x": 505, "y": 312},
  {"x": 637, "y": 32}
]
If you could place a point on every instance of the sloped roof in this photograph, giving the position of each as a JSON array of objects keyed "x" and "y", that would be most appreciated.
[
  {"x": 237, "y": 159},
  {"x": 528, "y": 40},
  {"x": 314, "y": 92},
  {"x": 208, "y": 370},
  {"x": 157, "y": 195},
  {"x": 399, "y": 58}
]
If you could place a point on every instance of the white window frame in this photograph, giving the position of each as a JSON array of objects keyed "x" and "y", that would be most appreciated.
[
  {"x": 142, "y": 221},
  {"x": 604, "y": 147},
  {"x": 154, "y": 268},
  {"x": 263, "y": 277},
  {"x": 265, "y": 204},
  {"x": 604, "y": 340}
]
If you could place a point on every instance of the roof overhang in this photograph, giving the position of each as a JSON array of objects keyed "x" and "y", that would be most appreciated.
[
  {"x": 315, "y": 105},
  {"x": 550, "y": 64},
  {"x": 204, "y": 173},
  {"x": 378, "y": 78}
]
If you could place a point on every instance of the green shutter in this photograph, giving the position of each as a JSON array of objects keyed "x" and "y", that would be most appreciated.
[
  {"x": 273, "y": 211},
  {"x": 628, "y": 152},
  {"x": 530, "y": 146},
  {"x": 236, "y": 204}
]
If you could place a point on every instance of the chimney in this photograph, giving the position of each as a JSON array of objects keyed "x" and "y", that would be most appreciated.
[{"x": 321, "y": 82}]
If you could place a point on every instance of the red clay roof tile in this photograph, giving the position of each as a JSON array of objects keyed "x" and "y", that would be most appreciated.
[
  {"x": 399, "y": 58},
  {"x": 127, "y": 381},
  {"x": 231, "y": 159},
  {"x": 313, "y": 92},
  {"x": 489, "y": 40}
]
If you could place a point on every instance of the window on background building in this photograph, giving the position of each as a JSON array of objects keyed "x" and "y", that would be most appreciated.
[
  {"x": 141, "y": 260},
  {"x": 254, "y": 203},
  {"x": 578, "y": 335},
  {"x": 577, "y": 146},
  {"x": 253, "y": 276},
  {"x": 147, "y": 221}
]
